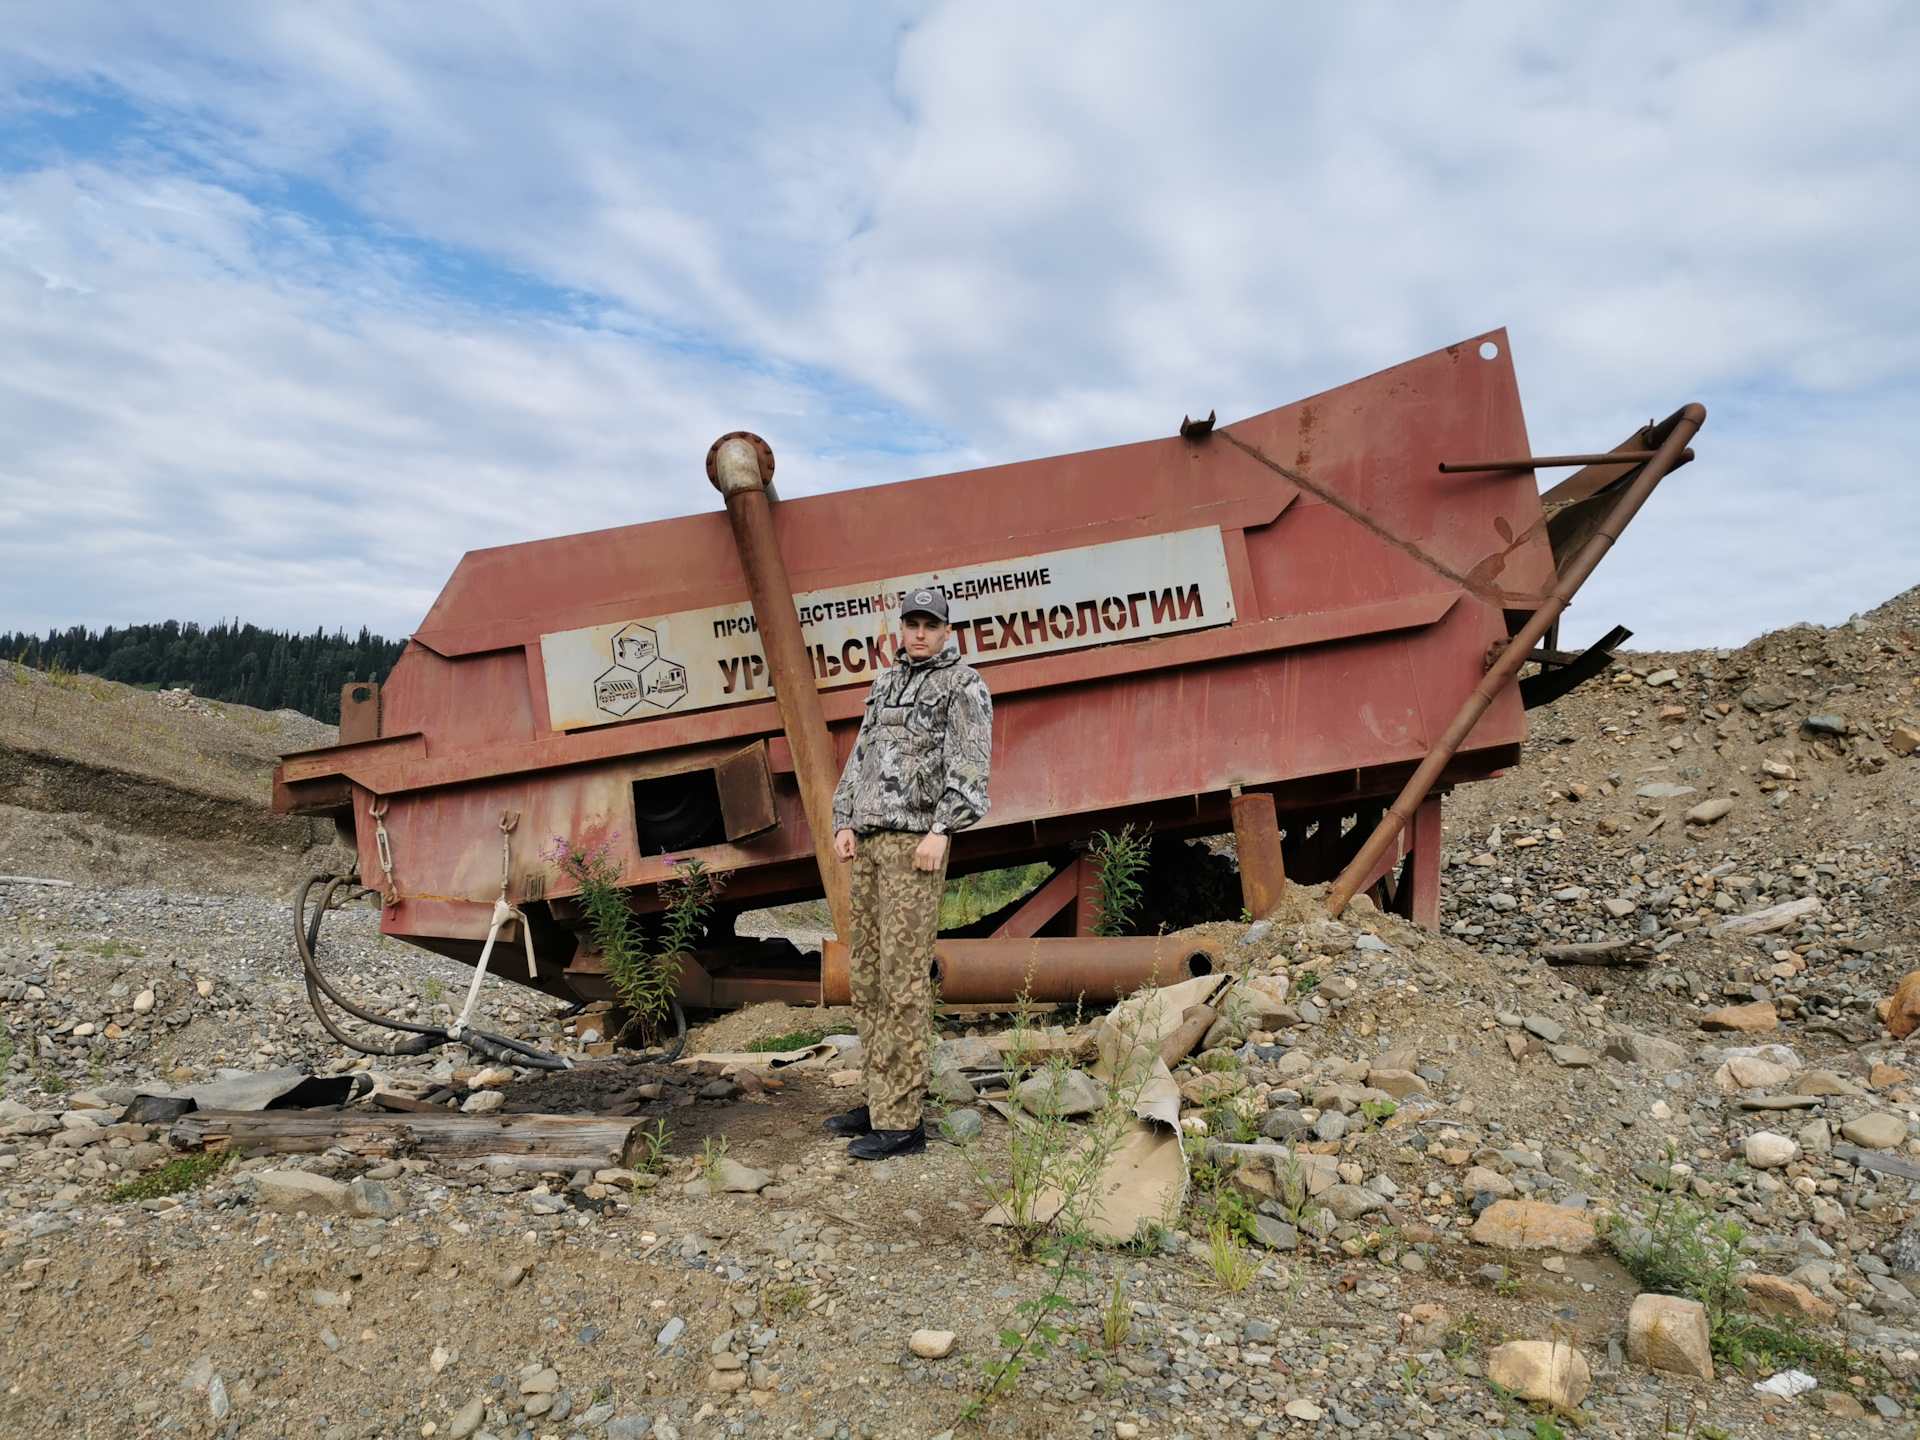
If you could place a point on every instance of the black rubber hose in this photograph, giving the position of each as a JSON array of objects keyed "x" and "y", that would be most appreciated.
[{"x": 306, "y": 939}]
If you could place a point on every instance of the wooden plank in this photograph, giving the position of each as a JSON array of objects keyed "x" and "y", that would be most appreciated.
[
  {"x": 1878, "y": 1160},
  {"x": 1600, "y": 952},
  {"x": 532, "y": 1142}
]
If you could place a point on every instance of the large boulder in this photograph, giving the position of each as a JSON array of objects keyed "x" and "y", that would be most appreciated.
[
  {"x": 1665, "y": 1332},
  {"x": 1529, "y": 1225},
  {"x": 1550, "y": 1371}
]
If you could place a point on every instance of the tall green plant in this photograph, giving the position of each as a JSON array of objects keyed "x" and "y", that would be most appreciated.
[
  {"x": 645, "y": 982},
  {"x": 1120, "y": 861}
]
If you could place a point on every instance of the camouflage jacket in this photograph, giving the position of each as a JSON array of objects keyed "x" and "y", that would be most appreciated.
[{"x": 923, "y": 752}]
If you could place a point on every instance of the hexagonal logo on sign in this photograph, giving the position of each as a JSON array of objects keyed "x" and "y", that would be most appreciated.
[
  {"x": 617, "y": 691},
  {"x": 635, "y": 645},
  {"x": 664, "y": 684}
]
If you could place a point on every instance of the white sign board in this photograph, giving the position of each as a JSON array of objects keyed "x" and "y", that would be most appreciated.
[{"x": 1035, "y": 605}]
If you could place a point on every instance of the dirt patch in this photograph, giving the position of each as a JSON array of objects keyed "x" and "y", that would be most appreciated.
[{"x": 741, "y": 1028}]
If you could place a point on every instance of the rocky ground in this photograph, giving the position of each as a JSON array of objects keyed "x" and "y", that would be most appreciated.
[{"x": 429, "y": 1298}]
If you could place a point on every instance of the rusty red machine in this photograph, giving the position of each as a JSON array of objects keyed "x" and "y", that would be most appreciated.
[{"x": 1265, "y": 626}]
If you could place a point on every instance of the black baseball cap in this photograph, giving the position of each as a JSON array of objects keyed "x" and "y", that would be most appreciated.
[{"x": 924, "y": 601}]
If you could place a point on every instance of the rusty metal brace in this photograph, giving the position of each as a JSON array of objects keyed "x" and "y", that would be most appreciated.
[{"x": 503, "y": 912}]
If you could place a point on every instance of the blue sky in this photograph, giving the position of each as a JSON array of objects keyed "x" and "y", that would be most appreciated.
[{"x": 298, "y": 302}]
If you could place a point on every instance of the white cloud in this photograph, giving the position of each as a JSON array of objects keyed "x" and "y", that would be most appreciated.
[{"x": 966, "y": 232}]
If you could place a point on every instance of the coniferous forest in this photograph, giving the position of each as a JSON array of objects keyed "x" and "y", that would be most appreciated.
[{"x": 268, "y": 669}]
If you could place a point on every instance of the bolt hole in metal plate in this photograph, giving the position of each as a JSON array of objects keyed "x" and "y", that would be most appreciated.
[{"x": 1489, "y": 350}]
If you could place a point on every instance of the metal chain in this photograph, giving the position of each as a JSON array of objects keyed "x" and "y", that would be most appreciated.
[{"x": 378, "y": 810}]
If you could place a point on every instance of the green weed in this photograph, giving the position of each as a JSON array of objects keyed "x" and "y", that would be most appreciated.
[
  {"x": 1120, "y": 861},
  {"x": 654, "y": 1141},
  {"x": 1683, "y": 1250},
  {"x": 1232, "y": 1264},
  {"x": 1116, "y": 1316},
  {"x": 173, "y": 1177},
  {"x": 795, "y": 1040},
  {"x": 972, "y": 897},
  {"x": 713, "y": 1159}
]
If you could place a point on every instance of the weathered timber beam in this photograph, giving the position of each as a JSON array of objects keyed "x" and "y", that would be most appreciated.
[{"x": 532, "y": 1142}]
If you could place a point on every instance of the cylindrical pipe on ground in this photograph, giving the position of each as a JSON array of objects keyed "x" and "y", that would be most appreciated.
[
  {"x": 1044, "y": 969},
  {"x": 740, "y": 465},
  {"x": 1671, "y": 438}
]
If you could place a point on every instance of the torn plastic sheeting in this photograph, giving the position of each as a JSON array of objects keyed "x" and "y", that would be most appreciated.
[
  {"x": 1144, "y": 1180},
  {"x": 770, "y": 1059},
  {"x": 1145, "y": 1021},
  {"x": 1787, "y": 1384},
  {"x": 288, "y": 1088}
]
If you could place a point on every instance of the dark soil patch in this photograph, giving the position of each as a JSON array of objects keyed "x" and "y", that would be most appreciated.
[{"x": 764, "y": 1130}]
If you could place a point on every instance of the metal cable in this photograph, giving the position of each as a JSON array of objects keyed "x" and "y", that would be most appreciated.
[{"x": 306, "y": 940}]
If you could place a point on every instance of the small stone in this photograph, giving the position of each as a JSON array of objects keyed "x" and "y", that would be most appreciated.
[
  {"x": 509, "y": 1276},
  {"x": 962, "y": 1125},
  {"x": 931, "y": 1344},
  {"x": 1572, "y": 1057},
  {"x": 1771, "y": 1295},
  {"x": 1665, "y": 1332},
  {"x": 1876, "y": 1130},
  {"x": 143, "y": 1002},
  {"x": 1284, "y": 1124},
  {"x": 1552, "y": 1372},
  {"x": 1331, "y": 1126},
  {"x": 629, "y": 1427},
  {"x": 1479, "y": 1178},
  {"x": 1350, "y": 1202},
  {"x": 738, "y": 1179},
  {"x": 482, "y": 1102},
  {"x": 372, "y": 1199},
  {"x": 1707, "y": 812},
  {"x": 953, "y": 1088},
  {"x": 671, "y": 1331},
  {"x": 543, "y": 1380},
  {"x": 1275, "y": 1234},
  {"x": 1549, "y": 1030},
  {"x": 1839, "y": 1405},
  {"x": 1528, "y": 1225},
  {"x": 1903, "y": 1015},
  {"x": 1768, "y": 1151},
  {"x": 1750, "y": 1072},
  {"x": 1398, "y": 1083},
  {"x": 1304, "y": 1410},
  {"x": 288, "y": 1191},
  {"x": 467, "y": 1418},
  {"x": 1619, "y": 907},
  {"x": 1745, "y": 1019},
  {"x": 1077, "y": 1093},
  {"x": 217, "y": 1404}
]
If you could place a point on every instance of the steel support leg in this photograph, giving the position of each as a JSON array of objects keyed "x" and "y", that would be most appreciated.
[{"x": 1256, "y": 836}]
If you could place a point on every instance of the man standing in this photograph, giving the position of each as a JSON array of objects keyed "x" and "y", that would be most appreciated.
[{"x": 918, "y": 773}]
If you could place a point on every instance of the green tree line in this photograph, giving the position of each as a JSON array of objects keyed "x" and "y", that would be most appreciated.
[{"x": 243, "y": 664}]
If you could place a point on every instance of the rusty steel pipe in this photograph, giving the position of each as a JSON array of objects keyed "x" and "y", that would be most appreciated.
[
  {"x": 1054, "y": 968},
  {"x": 1256, "y": 841},
  {"x": 1555, "y": 462},
  {"x": 740, "y": 465},
  {"x": 1673, "y": 435}
]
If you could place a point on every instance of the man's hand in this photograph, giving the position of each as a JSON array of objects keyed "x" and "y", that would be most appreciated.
[
  {"x": 930, "y": 853},
  {"x": 843, "y": 844}
]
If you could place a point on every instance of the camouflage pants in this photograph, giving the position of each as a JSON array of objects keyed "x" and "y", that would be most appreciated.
[{"x": 896, "y": 912}]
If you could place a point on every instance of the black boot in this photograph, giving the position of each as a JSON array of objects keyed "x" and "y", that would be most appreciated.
[
  {"x": 854, "y": 1122},
  {"x": 885, "y": 1144}
]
